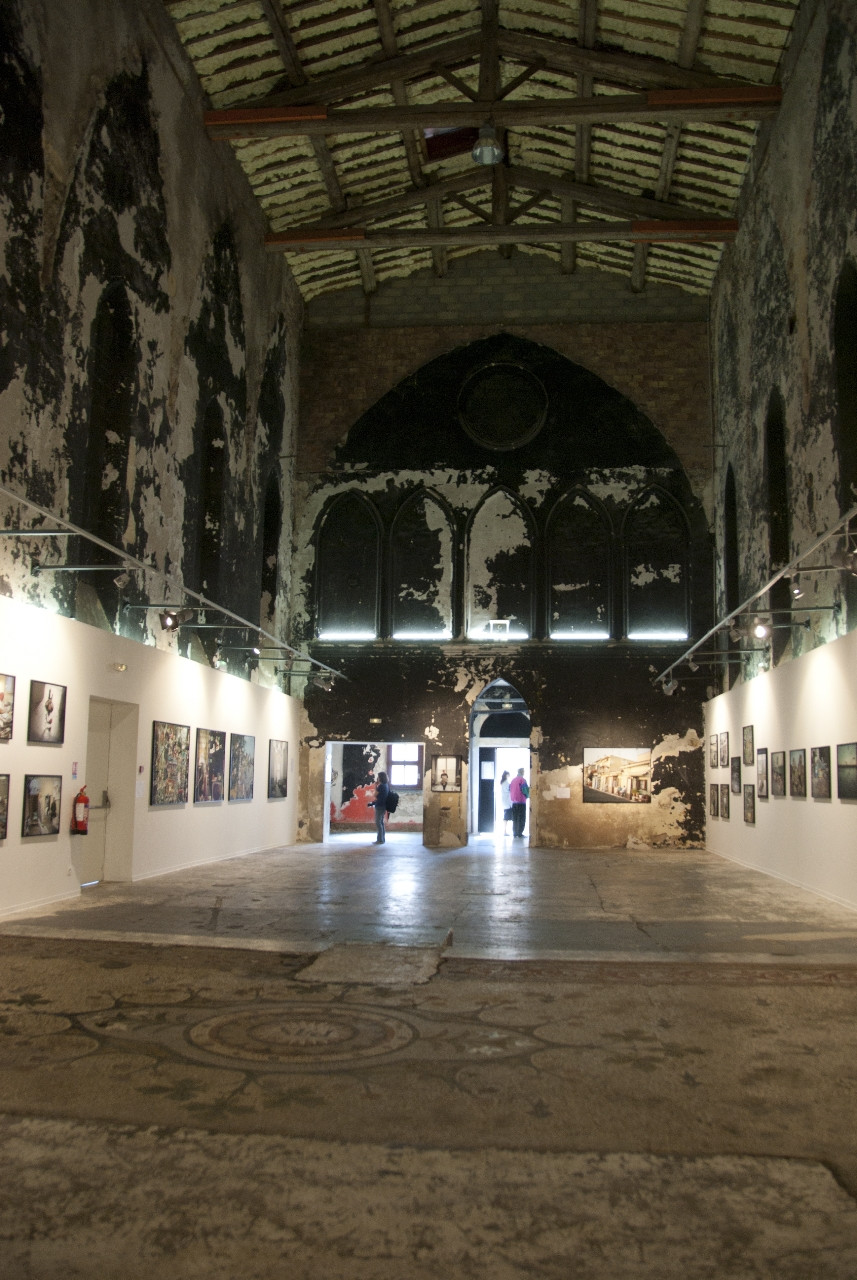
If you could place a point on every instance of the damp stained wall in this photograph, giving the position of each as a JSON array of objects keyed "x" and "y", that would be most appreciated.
[
  {"x": 574, "y": 465},
  {"x": 148, "y": 387}
]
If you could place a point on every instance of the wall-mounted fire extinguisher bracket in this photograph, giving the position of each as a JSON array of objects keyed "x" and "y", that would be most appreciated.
[{"x": 80, "y": 813}]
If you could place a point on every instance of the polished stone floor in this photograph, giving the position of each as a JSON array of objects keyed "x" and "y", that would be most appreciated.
[{"x": 359, "y": 1063}]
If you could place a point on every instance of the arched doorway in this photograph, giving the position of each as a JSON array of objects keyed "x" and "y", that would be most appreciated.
[{"x": 499, "y": 740}]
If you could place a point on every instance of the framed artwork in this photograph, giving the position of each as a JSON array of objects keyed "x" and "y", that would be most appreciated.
[
  {"x": 724, "y": 749},
  {"x": 170, "y": 760},
  {"x": 242, "y": 763},
  {"x": 797, "y": 772},
  {"x": 724, "y": 799},
  {"x": 209, "y": 774},
  {"x": 778, "y": 773},
  {"x": 4, "y": 804},
  {"x": 749, "y": 748},
  {"x": 617, "y": 775},
  {"x": 819, "y": 772},
  {"x": 278, "y": 769},
  {"x": 42, "y": 803},
  {"x": 846, "y": 771},
  {"x": 712, "y": 751},
  {"x": 749, "y": 802},
  {"x": 714, "y": 800},
  {"x": 446, "y": 773},
  {"x": 7, "y": 706},
  {"x": 762, "y": 773},
  {"x": 46, "y": 722},
  {"x": 735, "y": 775}
]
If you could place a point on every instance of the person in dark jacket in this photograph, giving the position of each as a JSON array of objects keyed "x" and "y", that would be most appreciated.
[{"x": 379, "y": 804}]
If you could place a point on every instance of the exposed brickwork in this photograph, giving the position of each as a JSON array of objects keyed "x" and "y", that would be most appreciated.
[{"x": 662, "y": 367}]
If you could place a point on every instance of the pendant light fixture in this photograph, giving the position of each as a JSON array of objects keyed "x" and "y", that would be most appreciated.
[{"x": 487, "y": 149}]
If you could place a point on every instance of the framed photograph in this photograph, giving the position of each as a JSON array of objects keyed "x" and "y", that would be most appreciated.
[
  {"x": 724, "y": 749},
  {"x": 713, "y": 800},
  {"x": 712, "y": 751},
  {"x": 4, "y": 805},
  {"x": 7, "y": 706},
  {"x": 724, "y": 799},
  {"x": 42, "y": 802},
  {"x": 446, "y": 773},
  {"x": 819, "y": 772},
  {"x": 762, "y": 773},
  {"x": 242, "y": 763},
  {"x": 278, "y": 769},
  {"x": 209, "y": 776},
  {"x": 170, "y": 760},
  {"x": 778, "y": 773},
  {"x": 797, "y": 772},
  {"x": 617, "y": 775},
  {"x": 846, "y": 771},
  {"x": 735, "y": 776},
  {"x": 46, "y": 722},
  {"x": 749, "y": 802},
  {"x": 749, "y": 746}
]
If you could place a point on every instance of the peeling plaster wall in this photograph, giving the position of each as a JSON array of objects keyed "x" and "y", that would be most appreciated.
[
  {"x": 592, "y": 440},
  {"x": 773, "y": 312},
  {"x": 111, "y": 182}
]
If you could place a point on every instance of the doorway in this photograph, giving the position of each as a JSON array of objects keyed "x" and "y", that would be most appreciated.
[
  {"x": 500, "y": 741},
  {"x": 106, "y": 852}
]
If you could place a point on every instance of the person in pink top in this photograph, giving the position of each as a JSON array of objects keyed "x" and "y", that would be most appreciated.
[{"x": 519, "y": 792}]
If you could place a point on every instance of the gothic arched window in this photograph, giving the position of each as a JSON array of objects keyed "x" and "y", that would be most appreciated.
[
  {"x": 422, "y": 554},
  {"x": 500, "y": 569},
  {"x": 347, "y": 576},
  {"x": 579, "y": 570},
  {"x": 656, "y": 568}
]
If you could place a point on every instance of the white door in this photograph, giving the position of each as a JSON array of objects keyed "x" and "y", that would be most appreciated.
[{"x": 106, "y": 852}]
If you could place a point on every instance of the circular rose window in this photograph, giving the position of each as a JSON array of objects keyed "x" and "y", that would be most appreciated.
[{"x": 502, "y": 406}]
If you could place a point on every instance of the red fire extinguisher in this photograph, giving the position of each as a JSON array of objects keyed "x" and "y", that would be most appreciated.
[{"x": 80, "y": 813}]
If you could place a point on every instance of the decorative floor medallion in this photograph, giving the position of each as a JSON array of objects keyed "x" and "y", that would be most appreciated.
[{"x": 300, "y": 1034}]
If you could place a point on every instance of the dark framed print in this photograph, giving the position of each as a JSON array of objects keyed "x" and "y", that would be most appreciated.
[
  {"x": 7, "y": 706},
  {"x": 714, "y": 800},
  {"x": 846, "y": 771},
  {"x": 446, "y": 773},
  {"x": 712, "y": 751},
  {"x": 724, "y": 749},
  {"x": 819, "y": 772},
  {"x": 724, "y": 799},
  {"x": 46, "y": 721},
  {"x": 735, "y": 776},
  {"x": 278, "y": 769},
  {"x": 778, "y": 773},
  {"x": 762, "y": 773},
  {"x": 749, "y": 747},
  {"x": 749, "y": 802},
  {"x": 242, "y": 764},
  {"x": 797, "y": 772},
  {"x": 4, "y": 805},
  {"x": 209, "y": 776},
  {"x": 170, "y": 761},
  {"x": 42, "y": 804}
]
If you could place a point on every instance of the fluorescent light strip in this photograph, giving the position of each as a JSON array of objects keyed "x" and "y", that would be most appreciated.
[
  {"x": 580, "y": 635},
  {"x": 657, "y": 635},
  {"x": 347, "y": 635},
  {"x": 422, "y": 635}
]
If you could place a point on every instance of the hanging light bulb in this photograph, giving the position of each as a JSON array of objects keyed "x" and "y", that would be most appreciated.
[{"x": 486, "y": 149}]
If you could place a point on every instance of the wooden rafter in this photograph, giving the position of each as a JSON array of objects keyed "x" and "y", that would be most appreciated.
[
  {"x": 586, "y": 28},
  {"x": 688, "y": 46},
  {"x": 753, "y": 102},
  {"x": 316, "y": 239}
]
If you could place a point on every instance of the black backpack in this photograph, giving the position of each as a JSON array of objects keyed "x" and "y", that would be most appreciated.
[{"x": 392, "y": 801}]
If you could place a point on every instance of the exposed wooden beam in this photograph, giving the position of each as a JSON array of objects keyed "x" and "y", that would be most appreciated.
[
  {"x": 755, "y": 102},
  {"x": 397, "y": 85},
  {"x": 688, "y": 45},
  {"x": 392, "y": 205},
  {"x": 434, "y": 214},
  {"x": 586, "y": 28},
  {"x": 314, "y": 240},
  {"x": 367, "y": 270}
]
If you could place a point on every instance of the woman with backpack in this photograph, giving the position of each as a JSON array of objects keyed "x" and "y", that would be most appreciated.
[{"x": 379, "y": 804}]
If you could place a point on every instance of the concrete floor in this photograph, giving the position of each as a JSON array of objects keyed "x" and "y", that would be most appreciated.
[{"x": 346, "y": 1061}]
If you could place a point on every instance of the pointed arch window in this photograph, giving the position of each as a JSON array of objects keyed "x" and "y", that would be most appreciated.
[
  {"x": 656, "y": 544},
  {"x": 211, "y": 497},
  {"x": 111, "y": 426},
  {"x": 272, "y": 524},
  {"x": 845, "y": 354},
  {"x": 579, "y": 570},
  {"x": 731, "y": 564},
  {"x": 422, "y": 553},
  {"x": 500, "y": 570},
  {"x": 779, "y": 514},
  {"x": 348, "y": 565}
]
